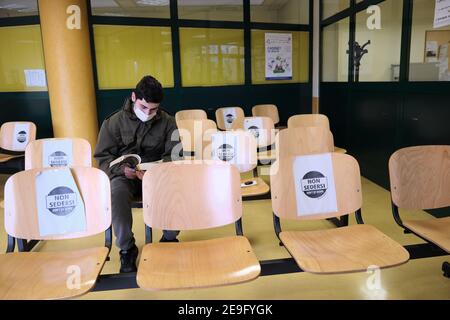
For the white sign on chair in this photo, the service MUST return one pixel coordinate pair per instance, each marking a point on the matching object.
(314, 184)
(60, 206)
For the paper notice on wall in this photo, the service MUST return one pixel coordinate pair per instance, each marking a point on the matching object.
(60, 206)
(225, 147)
(229, 116)
(35, 78)
(278, 56)
(431, 52)
(441, 14)
(57, 153)
(21, 136)
(255, 126)
(314, 185)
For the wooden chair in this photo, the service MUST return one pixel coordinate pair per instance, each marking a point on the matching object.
(267, 110)
(420, 179)
(13, 141)
(304, 141)
(309, 120)
(45, 275)
(346, 249)
(194, 114)
(179, 196)
(226, 121)
(246, 153)
(81, 152)
(312, 120)
(196, 136)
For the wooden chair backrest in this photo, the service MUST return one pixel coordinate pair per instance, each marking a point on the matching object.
(304, 141)
(267, 110)
(196, 135)
(347, 181)
(420, 177)
(7, 137)
(246, 153)
(81, 152)
(237, 123)
(193, 114)
(309, 120)
(180, 196)
(21, 212)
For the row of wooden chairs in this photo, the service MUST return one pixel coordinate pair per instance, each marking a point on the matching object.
(237, 113)
(228, 260)
(235, 117)
(178, 265)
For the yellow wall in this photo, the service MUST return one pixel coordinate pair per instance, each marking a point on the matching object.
(300, 57)
(212, 57)
(21, 50)
(127, 53)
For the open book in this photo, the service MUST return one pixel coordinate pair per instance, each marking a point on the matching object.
(135, 161)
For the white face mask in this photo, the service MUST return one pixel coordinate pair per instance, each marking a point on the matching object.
(142, 116)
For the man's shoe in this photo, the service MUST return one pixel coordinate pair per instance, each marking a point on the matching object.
(165, 240)
(128, 260)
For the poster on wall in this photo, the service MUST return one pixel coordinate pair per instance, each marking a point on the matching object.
(442, 14)
(278, 56)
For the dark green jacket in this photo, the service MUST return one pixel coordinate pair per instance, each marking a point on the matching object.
(123, 133)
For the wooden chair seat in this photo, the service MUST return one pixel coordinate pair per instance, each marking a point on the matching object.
(339, 150)
(45, 275)
(349, 249)
(207, 263)
(436, 231)
(7, 157)
(259, 189)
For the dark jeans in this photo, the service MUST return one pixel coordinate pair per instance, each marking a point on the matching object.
(123, 191)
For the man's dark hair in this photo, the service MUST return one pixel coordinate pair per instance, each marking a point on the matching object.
(149, 89)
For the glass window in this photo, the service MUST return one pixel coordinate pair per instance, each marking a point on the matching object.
(429, 45)
(384, 30)
(22, 66)
(18, 8)
(300, 57)
(335, 45)
(127, 53)
(280, 11)
(132, 8)
(212, 57)
(331, 7)
(223, 10)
